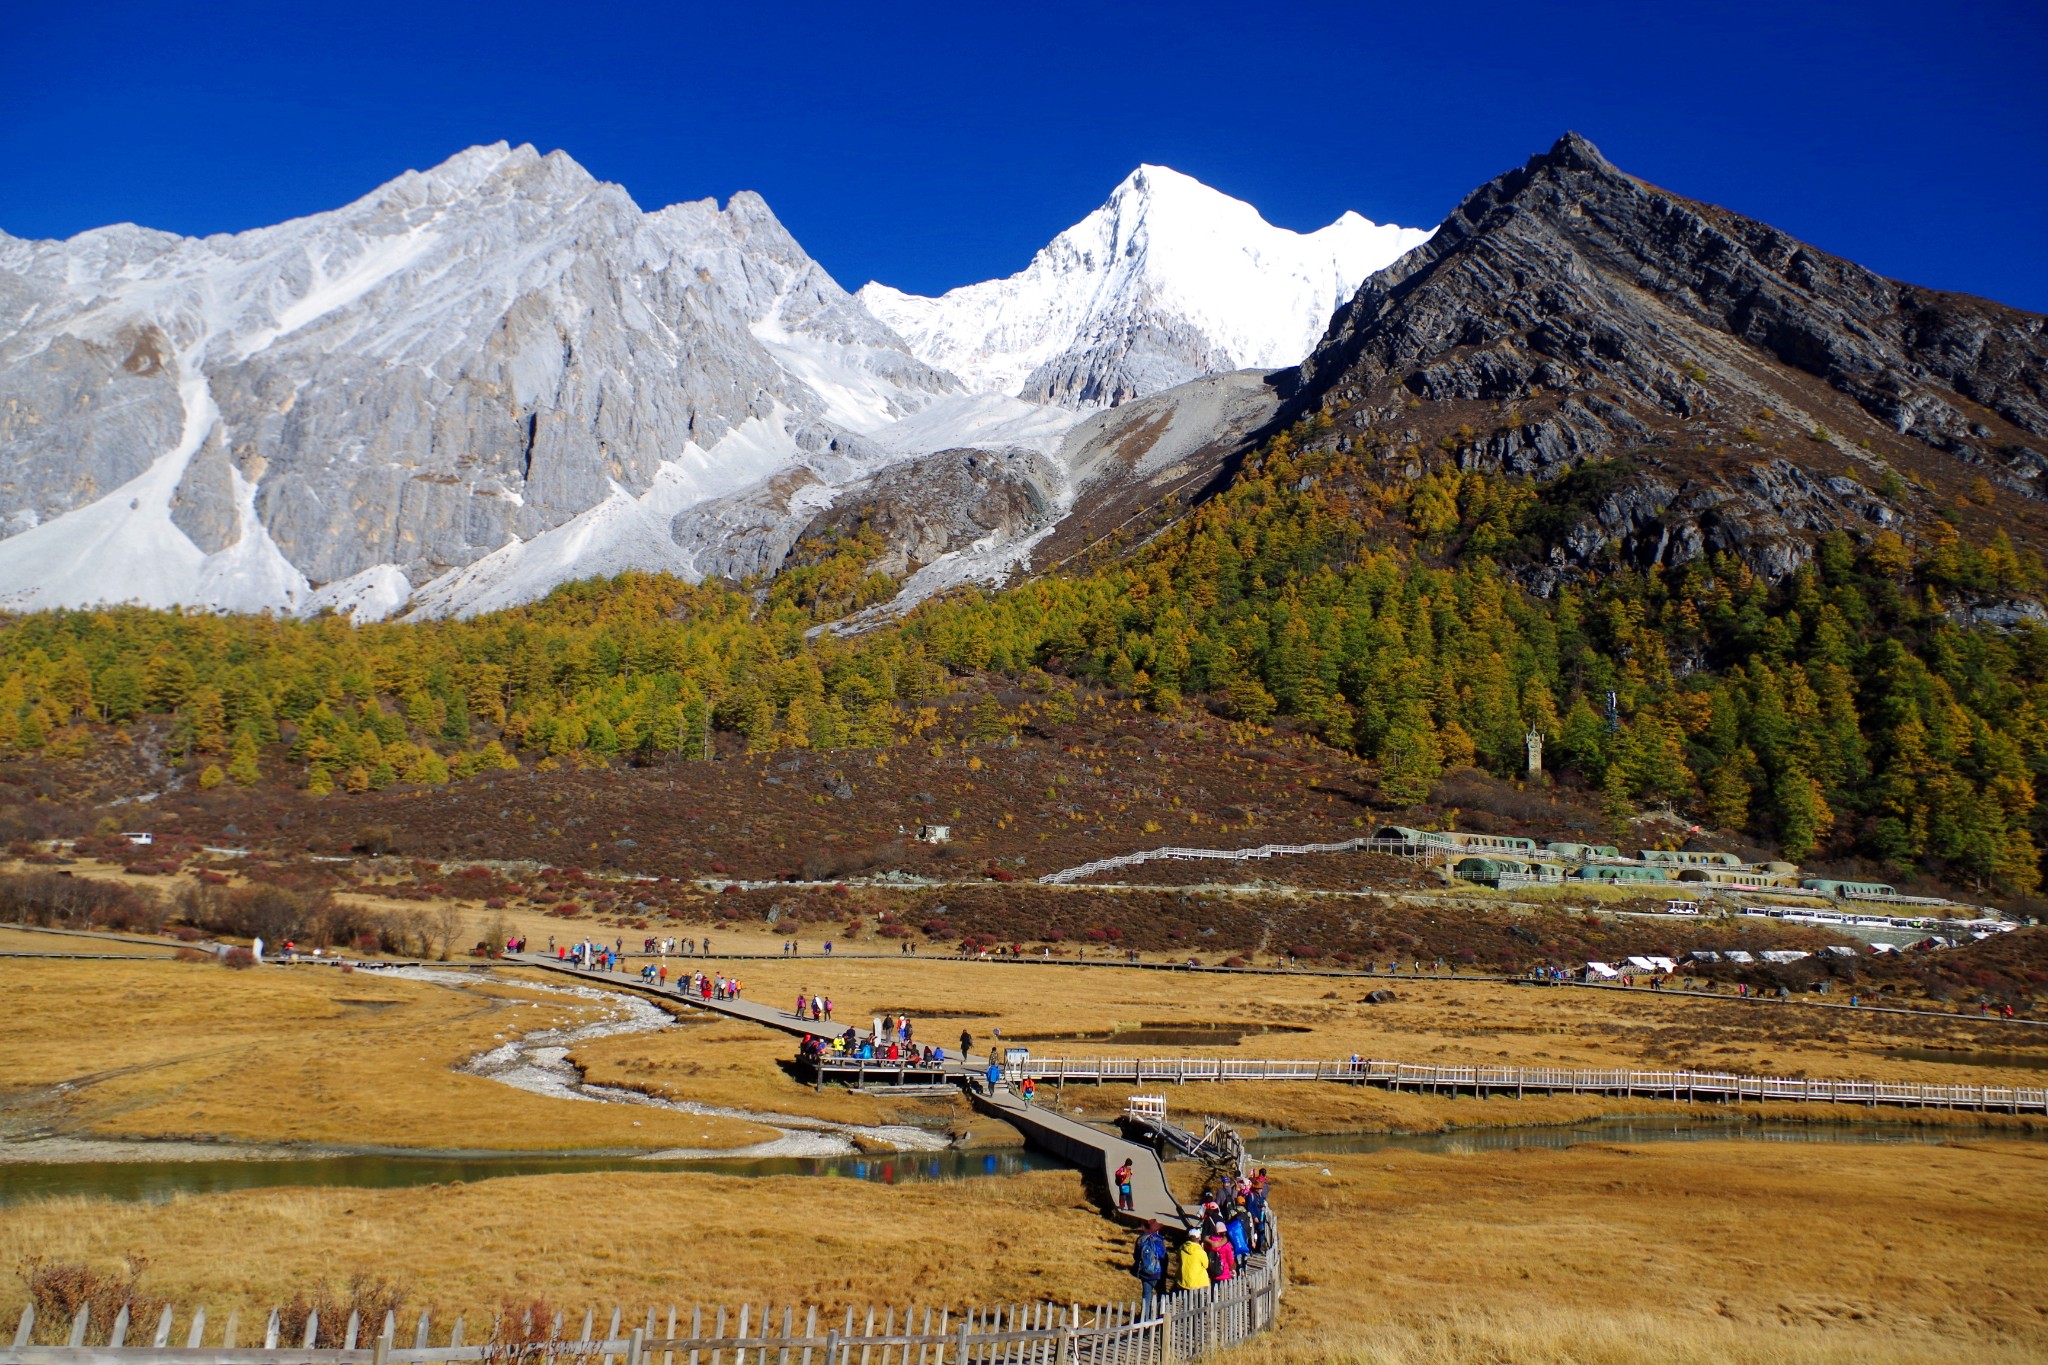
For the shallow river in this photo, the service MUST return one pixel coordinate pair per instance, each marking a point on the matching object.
(538, 1061)
(159, 1180)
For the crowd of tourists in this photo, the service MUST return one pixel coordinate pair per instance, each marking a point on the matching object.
(1236, 1223)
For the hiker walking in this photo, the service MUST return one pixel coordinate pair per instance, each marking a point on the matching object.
(966, 1042)
(1194, 1263)
(1148, 1263)
(1123, 1187)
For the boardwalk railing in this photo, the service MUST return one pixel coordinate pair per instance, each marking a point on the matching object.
(1182, 1326)
(1669, 1085)
(1074, 874)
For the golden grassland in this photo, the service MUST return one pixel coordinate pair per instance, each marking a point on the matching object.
(161, 1049)
(1688, 1252)
(314, 1055)
(1439, 1021)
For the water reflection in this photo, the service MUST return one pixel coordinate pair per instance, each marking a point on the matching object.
(154, 1181)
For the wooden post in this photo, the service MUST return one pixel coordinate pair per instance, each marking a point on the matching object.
(1166, 1336)
(227, 1333)
(163, 1330)
(455, 1336)
(382, 1350)
(198, 1330)
(312, 1329)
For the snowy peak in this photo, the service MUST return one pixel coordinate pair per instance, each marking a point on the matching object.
(1168, 281)
(467, 363)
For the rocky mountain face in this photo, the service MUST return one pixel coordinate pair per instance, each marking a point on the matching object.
(487, 379)
(1168, 281)
(465, 363)
(1763, 392)
(483, 380)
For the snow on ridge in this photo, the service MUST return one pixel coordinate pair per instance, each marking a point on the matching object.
(1165, 253)
(502, 367)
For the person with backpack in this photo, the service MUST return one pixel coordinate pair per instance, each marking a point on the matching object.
(1148, 1263)
(1194, 1263)
(1238, 1235)
(1222, 1260)
(1123, 1186)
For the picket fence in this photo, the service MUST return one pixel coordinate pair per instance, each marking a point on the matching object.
(1183, 1326)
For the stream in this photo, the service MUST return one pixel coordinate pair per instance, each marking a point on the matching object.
(538, 1062)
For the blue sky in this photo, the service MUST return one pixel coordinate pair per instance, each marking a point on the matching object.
(928, 145)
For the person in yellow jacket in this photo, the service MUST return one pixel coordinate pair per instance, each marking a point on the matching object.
(1194, 1264)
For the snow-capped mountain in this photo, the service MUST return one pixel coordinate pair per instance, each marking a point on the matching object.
(483, 380)
(1167, 281)
(499, 358)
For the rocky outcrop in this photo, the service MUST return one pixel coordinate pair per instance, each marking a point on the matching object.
(1568, 312)
(942, 503)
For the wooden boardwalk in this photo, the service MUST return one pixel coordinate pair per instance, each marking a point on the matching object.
(1097, 1153)
(1508, 1080)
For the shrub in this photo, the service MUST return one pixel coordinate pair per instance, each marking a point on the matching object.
(58, 1289)
(238, 958)
(366, 1298)
(55, 900)
(376, 840)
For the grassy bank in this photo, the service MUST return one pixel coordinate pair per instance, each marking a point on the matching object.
(1694, 1252)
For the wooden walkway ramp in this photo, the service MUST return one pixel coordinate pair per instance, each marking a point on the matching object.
(768, 1016)
(1097, 1152)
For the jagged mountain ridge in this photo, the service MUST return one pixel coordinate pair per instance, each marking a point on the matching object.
(1168, 281)
(357, 403)
(485, 379)
(1764, 391)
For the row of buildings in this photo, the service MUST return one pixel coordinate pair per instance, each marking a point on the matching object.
(1506, 860)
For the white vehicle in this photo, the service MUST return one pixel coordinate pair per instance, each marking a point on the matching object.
(1681, 907)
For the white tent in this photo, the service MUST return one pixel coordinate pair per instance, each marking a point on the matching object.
(1602, 970)
(1737, 955)
(1784, 955)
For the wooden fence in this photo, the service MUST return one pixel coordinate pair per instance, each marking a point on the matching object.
(1182, 1327)
(1513, 1080)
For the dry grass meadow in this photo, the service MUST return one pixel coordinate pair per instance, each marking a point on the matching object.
(1687, 1252)
(1693, 1252)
